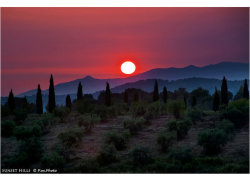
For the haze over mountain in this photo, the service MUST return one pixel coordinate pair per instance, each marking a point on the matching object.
(232, 71)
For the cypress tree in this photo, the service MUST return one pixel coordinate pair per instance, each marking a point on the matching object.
(245, 90)
(52, 100)
(185, 101)
(11, 101)
(165, 95)
(136, 97)
(224, 91)
(156, 92)
(216, 101)
(39, 100)
(126, 96)
(107, 95)
(68, 102)
(79, 91)
(194, 102)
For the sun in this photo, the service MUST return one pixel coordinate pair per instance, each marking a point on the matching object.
(128, 67)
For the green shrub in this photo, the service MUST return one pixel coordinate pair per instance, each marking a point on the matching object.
(20, 115)
(194, 114)
(138, 109)
(182, 154)
(153, 110)
(118, 139)
(166, 139)
(19, 160)
(226, 125)
(24, 132)
(107, 155)
(212, 140)
(7, 127)
(71, 137)
(89, 166)
(83, 106)
(62, 150)
(53, 161)
(105, 112)
(176, 108)
(141, 156)
(134, 125)
(61, 113)
(180, 126)
(88, 121)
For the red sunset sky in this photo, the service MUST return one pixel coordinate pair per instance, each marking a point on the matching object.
(74, 42)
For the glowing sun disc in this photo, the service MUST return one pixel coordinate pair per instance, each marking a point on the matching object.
(128, 67)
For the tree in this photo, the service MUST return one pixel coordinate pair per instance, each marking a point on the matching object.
(245, 90)
(107, 95)
(224, 91)
(216, 101)
(68, 102)
(79, 91)
(11, 101)
(156, 92)
(194, 101)
(136, 97)
(39, 100)
(52, 99)
(185, 101)
(165, 95)
(126, 96)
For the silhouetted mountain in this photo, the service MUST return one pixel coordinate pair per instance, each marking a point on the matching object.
(232, 71)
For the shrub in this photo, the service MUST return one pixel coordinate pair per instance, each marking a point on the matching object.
(105, 112)
(89, 166)
(212, 140)
(88, 121)
(184, 155)
(83, 106)
(7, 127)
(141, 156)
(62, 150)
(176, 108)
(107, 155)
(226, 125)
(138, 109)
(61, 113)
(153, 110)
(24, 132)
(180, 126)
(20, 115)
(134, 125)
(16, 161)
(71, 137)
(194, 114)
(53, 161)
(118, 139)
(166, 139)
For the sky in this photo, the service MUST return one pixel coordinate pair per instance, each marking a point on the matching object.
(71, 43)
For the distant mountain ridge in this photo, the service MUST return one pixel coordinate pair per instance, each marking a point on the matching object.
(232, 71)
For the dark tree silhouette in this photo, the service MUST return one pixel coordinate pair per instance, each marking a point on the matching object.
(68, 102)
(245, 90)
(125, 96)
(194, 102)
(165, 94)
(79, 91)
(216, 101)
(39, 100)
(185, 101)
(11, 101)
(52, 99)
(107, 95)
(224, 91)
(136, 97)
(156, 92)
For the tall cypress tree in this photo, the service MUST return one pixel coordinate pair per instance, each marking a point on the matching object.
(194, 101)
(68, 102)
(52, 100)
(165, 94)
(185, 101)
(79, 91)
(107, 95)
(125, 96)
(216, 101)
(136, 97)
(11, 101)
(224, 91)
(156, 92)
(39, 100)
(245, 90)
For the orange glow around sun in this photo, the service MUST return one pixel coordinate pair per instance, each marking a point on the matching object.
(128, 67)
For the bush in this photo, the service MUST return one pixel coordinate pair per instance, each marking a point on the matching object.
(105, 112)
(24, 132)
(83, 106)
(180, 126)
(141, 156)
(226, 125)
(71, 138)
(194, 114)
(61, 113)
(88, 121)
(107, 155)
(20, 115)
(16, 161)
(118, 139)
(184, 155)
(53, 161)
(176, 108)
(212, 140)
(166, 139)
(153, 110)
(7, 127)
(62, 150)
(134, 125)
(89, 166)
(138, 109)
